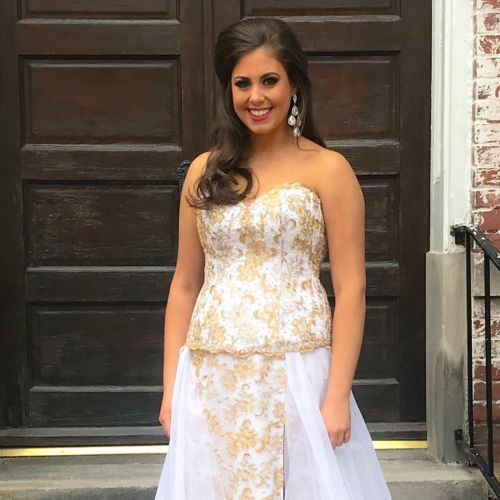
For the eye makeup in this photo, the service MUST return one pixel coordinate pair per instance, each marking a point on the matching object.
(272, 77)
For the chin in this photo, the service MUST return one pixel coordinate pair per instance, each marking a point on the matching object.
(261, 132)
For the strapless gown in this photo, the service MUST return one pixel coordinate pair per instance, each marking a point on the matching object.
(253, 372)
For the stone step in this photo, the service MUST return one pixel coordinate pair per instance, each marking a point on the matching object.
(416, 475)
(411, 475)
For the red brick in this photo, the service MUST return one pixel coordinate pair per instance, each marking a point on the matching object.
(488, 44)
(478, 327)
(491, 220)
(480, 372)
(480, 391)
(486, 156)
(486, 88)
(487, 177)
(479, 411)
(481, 433)
(486, 199)
(490, 21)
(487, 4)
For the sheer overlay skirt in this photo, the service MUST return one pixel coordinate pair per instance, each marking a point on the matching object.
(250, 428)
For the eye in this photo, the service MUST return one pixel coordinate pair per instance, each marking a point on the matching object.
(271, 79)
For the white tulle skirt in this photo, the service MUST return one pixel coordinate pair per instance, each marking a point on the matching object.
(250, 428)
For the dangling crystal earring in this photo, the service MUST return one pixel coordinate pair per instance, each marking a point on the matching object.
(292, 120)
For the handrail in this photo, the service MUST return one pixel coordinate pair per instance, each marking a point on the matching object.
(466, 235)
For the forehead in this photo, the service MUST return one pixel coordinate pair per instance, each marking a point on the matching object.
(256, 63)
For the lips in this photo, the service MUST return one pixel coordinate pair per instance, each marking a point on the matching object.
(262, 115)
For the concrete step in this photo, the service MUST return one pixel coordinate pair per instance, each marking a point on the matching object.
(411, 475)
(416, 475)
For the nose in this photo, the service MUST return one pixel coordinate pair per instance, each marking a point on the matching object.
(256, 97)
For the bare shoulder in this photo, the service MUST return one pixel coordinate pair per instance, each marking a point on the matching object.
(335, 176)
(327, 164)
(332, 164)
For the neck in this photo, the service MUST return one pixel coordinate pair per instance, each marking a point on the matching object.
(272, 143)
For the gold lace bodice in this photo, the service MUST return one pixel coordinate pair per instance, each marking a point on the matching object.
(262, 291)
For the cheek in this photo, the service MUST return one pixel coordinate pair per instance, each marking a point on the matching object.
(284, 101)
(280, 100)
(238, 100)
(240, 110)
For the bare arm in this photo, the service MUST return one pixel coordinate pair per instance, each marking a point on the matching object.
(184, 288)
(344, 211)
(178, 312)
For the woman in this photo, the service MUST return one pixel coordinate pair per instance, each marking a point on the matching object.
(257, 375)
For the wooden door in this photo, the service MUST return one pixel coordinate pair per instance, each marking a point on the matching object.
(100, 102)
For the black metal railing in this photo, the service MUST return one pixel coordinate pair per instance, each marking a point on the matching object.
(181, 173)
(467, 235)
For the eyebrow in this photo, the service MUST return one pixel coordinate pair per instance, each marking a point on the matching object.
(265, 75)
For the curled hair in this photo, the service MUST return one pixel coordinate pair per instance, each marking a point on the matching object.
(230, 138)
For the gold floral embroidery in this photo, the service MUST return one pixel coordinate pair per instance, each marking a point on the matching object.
(262, 292)
(246, 424)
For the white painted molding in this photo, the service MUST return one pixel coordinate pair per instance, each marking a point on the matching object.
(451, 120)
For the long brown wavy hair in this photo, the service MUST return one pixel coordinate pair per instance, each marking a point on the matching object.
(230, 138)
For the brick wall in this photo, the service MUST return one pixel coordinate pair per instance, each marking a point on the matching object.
(486, 199)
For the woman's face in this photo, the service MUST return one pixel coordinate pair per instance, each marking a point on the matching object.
(261, 91)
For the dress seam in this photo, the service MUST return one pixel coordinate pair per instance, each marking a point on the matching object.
(201, 347)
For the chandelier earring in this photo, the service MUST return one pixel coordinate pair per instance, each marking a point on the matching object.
(293, 121)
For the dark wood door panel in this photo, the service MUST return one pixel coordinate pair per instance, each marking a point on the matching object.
(129, 162)
(74, 37)
(93, 406)
(96, 344)
(101, 225)
(97, 284)
(320, 8)
(360, 93)
(95, 9)
(95, 101)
